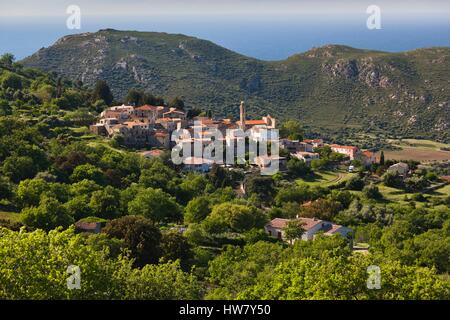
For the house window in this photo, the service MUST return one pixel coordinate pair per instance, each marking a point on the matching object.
(279, 235)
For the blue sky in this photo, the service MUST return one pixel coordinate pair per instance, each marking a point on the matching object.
(400, 8)
(266, 29)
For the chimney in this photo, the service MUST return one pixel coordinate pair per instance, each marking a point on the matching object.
(242, 116)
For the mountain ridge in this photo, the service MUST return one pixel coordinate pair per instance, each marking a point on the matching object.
(333, 86)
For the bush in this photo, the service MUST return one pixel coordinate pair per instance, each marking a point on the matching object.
(372, 192)
(355, 183)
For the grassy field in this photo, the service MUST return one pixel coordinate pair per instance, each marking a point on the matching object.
(11, 216)
(398, 195)
(104, 143)
(327, 178)
(419, 150)
(393, 194)
(442, 192)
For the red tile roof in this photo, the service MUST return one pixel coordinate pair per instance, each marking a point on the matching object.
(368, 154)
(147, 107)
(84, 225)
(343, 147)
(308, 223)
(313, 140)
(255, 122)
(152, 153)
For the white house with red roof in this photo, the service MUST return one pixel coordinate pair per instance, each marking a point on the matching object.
(312, 226)
(351, 151)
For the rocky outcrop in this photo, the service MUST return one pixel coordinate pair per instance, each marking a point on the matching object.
(364, 70)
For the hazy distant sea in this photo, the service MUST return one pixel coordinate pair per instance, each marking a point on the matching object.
(264, 38)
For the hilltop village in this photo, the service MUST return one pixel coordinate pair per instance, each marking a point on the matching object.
(151, 127)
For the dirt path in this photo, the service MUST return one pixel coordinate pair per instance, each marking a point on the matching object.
(337, 179)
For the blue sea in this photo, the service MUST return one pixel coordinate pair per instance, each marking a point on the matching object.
(262, 37)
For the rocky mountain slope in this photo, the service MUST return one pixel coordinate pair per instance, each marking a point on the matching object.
(405, 94)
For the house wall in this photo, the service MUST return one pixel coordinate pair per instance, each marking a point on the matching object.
(273, 232)
(309, 235)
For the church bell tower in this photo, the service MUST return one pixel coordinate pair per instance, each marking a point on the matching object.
(242, 116)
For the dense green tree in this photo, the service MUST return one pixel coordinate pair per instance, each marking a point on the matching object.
(343, 197)
(79, 207)
(139, 235)
(175, 246)
(294, 230)
(297, 168)
(355, 183)
(372, 192)
(5, 188)
(89, 172)
(48, 215)
(29, 191)
(324, 209)
(103, 92)
(7, 59)
(236, 269)
(18, 168)
(42, 273)
(156, 205)
(161, 282)
(393, 179)
(291, 129)
(262, 186)
(177, 103)
(345, 278)
(219, 177)
(295, 193)
(12, 81)
(156, 176)
(197, 210)
(134, 97)
(84, 187)
(382, 158)
(105, 203)
(234, 217)
(5, 108)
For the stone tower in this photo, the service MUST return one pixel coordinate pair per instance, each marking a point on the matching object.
(242, 116)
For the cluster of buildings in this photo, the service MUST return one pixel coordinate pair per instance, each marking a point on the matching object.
(140, 126)
(303, 150)
(152, 127)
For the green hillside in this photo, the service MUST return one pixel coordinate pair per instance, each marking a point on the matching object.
(334, 87)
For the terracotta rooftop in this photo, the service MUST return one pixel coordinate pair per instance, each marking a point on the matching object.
(343, 147)
(308, 223)
(147, 107)
(313, 140)
(152, 153)
(255, 122)
(368, 153)
(197, 161)
(87, 226)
